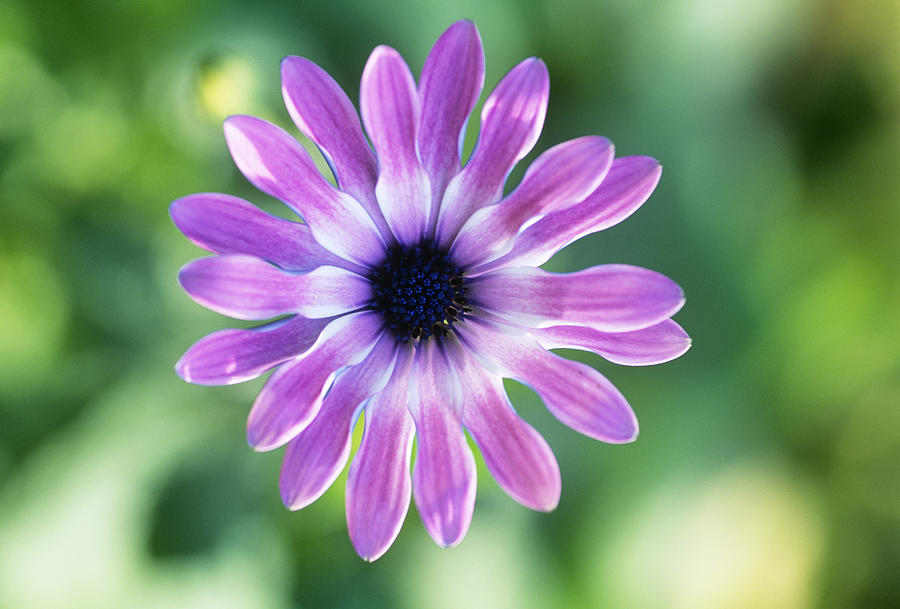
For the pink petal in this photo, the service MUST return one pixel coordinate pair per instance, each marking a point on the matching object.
(239, 286)
(324, 114)
(328, 291)
(628, 184)
(276, 164)
(450, 85)
(560, 177)
(228, 225)
(654, 345)
(444, 472)
(609, 297)
(234, 356)
(390, 111)
(379, 485)
(249, 288)
(575, 393)
(293, 394)
(511, 122)
(315, 458)
(517, 456)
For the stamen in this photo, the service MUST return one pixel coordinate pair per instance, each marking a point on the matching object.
(419, 291)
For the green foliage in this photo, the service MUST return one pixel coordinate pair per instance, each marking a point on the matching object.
(766, 474)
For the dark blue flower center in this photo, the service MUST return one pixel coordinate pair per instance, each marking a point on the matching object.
(419, 291)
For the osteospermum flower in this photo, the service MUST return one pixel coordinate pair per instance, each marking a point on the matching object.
(412, 288)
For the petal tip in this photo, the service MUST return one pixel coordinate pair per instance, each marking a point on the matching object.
(535, 64)
(383, 51)
(256, 440)
(545, 501)
(634, 429)
(290, 501)
(231, 120)
(631, 437)
(623, 438)
(685, 346)
(451, 538)
(183, 369)
(369, 554)
(465, 27)
(183, 213)
(549, 505)
(184, 274)
(237, 124)
(175, 208)
(288, 60)
(263, 441)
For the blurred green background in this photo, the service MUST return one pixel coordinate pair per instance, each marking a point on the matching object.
(767, 474)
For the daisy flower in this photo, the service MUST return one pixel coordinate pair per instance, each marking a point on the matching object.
(412, 287)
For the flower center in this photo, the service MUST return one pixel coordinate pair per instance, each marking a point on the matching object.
(419, 291)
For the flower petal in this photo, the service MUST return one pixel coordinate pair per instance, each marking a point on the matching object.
(239, 286)
(246, 287)
(228, 225)
(449, 87)
(444, 472)
(517, 456)
(315, 458)
(234, 356)
(626, 187)
(379, 485)
(390, 110)
(324, 114)
(293, 394)
(654, 345)
(276, 164)
(575, 393)
(560, 177)
(328, 291)
(511, 122)
(609, 297)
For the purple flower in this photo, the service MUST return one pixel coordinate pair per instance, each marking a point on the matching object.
(412, 288)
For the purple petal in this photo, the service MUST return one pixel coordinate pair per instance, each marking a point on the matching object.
(239, 286)
(444, 472)
(511, 122)
(560, 177)
(450, 85)
(609, 297)
(249, 288)
(328, 291)
(517, 456)
(324, 114)
(628, 184)
(276, 164)
(654, 345)
(293, 394)
(228, 225)
(379, 485)
(315, 458)
(390, 111)
(575, 393)
(234, 356)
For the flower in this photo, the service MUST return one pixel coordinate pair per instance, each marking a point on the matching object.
(412, 288)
